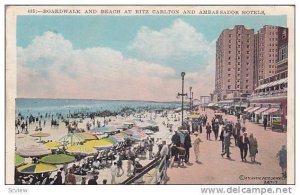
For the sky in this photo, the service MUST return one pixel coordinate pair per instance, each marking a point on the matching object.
(121, 57)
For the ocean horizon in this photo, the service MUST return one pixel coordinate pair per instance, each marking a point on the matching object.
(37, 106)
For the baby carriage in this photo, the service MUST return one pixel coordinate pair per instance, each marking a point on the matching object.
(181, 155)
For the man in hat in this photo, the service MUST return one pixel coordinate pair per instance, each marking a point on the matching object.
(187, 145)
(243, 145)
(226, 143)
(196, 145)
(176, 139)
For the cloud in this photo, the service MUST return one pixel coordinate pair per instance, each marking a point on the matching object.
(51, 68)
(180, 40)
(182, 47)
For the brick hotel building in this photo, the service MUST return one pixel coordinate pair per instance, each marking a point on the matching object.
(253, 65)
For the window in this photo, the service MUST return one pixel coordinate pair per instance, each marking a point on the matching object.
(238, 69)
(248, 52)
(247, 86)
(229, 63)
(229, 35)
(229, 86)
(229, 69)
(247, 75)
(248, 46)
(228, 80)
(229, 58)
(246, 81)
(229, 52)
(229, 75)
(229, 46)
(229, 41)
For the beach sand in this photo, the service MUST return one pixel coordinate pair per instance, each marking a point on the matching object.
(56, 132)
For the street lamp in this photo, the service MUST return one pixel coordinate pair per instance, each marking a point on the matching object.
(182, 94)
(190, 98)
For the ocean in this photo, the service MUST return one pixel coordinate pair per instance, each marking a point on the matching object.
(64, 106)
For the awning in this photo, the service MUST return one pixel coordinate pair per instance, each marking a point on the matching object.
(270, 111)
(259, 111)
(253, 109)
(249, 108)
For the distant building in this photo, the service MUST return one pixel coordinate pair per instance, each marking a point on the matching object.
(234, 62)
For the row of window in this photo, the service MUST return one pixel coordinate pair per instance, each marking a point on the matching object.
(238, 86)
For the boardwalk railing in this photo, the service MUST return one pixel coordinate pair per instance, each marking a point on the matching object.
(157, 163)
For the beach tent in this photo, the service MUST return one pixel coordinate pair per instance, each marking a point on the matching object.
(72, 138)
(53, 145)
(36, 168)
(19, 160)
(33, 151)
(81, 149)
(104, 129)
(40, 135)
(58, 159)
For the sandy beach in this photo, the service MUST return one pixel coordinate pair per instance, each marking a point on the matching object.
(56, 132)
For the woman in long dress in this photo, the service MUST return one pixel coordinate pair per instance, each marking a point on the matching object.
(252, 147)
(196, 145)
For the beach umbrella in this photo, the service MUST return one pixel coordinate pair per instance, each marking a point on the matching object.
(88, 136)
(81, 149)
(104, 129)
(53, 145)
(129, 131)
(119, 137)
(19, 160)
(57, 159)
(101, 143)
(72, 138)
(40, 135)
(33, 151)
(36, 168)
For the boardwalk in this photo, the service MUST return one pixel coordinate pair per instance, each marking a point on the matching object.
(213, 169)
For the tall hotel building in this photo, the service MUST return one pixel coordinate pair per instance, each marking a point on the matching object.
(234, 62)
(267, 42)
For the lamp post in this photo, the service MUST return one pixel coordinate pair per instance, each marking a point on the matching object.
(190, 98)
(182, 94)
